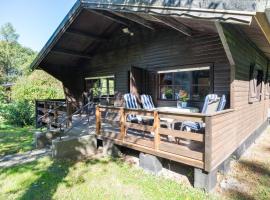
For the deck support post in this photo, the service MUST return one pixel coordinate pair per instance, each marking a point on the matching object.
(156, 131)
(205, 180)
(98, 120)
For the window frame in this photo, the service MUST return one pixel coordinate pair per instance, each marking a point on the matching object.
(183, 68)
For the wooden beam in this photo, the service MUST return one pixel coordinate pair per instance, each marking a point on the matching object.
(134, 18)
(108, 16)
(230, 59)
(71, 53)
(174, 24)
(86, 35)
(263, 23)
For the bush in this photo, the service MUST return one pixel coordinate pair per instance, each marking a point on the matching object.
(20, 113)
(38, 85)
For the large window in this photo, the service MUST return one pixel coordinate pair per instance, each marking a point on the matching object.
(194, 83)
(101, 86)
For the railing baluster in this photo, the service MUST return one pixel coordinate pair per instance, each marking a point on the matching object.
(156, 130)
(98, 120)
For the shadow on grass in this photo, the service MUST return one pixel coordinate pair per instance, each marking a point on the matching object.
(257, 168)
(240, 195)
(46, 185)
(259, 174)
(49, 179)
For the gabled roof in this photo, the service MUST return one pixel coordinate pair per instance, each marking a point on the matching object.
(90, 24)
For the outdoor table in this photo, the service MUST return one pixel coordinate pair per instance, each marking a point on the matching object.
(176, 110)
(179, 110)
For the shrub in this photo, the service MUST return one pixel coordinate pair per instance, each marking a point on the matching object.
(20, 113)
(38, 85)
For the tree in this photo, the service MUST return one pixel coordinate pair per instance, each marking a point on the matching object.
(8, 33)
(14, 58)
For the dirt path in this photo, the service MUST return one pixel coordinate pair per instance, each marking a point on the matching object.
(15, 159)
(249, 178)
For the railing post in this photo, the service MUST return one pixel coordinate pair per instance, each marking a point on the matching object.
(55, 113)
(37, 111)
(208, 143)
(98, 120)
(122, 124)
(156, 130)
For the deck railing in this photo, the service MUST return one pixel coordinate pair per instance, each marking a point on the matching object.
(49, 112)
(159, 133)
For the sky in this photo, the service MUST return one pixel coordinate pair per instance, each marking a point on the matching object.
(34, 20)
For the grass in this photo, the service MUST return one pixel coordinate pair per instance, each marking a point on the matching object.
(15, 139)
(251, 174)
(107, 178)
(93, 179)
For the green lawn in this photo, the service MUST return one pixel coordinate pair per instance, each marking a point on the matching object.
(93, 179)
(15, 139)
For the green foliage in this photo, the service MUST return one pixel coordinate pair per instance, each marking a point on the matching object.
(38, 85)
(15, 63)
(14, 58)
(19, 113)
(8, 33)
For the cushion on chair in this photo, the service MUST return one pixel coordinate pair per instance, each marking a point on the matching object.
(222, 103)
(131, 102)
(208, 99)
(196, 126)
(147, 102)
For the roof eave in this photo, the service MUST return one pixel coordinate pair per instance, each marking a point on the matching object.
(69, 18)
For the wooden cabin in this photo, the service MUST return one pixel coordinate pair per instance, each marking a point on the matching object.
(158, 48)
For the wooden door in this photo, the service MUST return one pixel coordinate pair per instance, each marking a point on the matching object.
(138, 81)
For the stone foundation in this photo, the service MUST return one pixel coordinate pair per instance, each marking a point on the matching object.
(43, 139)
(74, 147)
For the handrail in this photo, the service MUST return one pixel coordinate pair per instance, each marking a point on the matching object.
(76, 112)
(169, 112)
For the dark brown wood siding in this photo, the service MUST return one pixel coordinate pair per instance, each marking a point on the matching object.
(162, 50)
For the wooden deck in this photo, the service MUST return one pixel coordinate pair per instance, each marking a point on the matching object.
(155, 136)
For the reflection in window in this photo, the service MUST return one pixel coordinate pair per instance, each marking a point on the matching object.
(101, 87)
(193, 82)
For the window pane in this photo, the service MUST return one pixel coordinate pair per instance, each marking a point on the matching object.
(193, 85)
(111, 86)
(199, 92)
(101, 86)
(166, 92)
(182, 91)
(96, 85)
(166, 79)
(181, 78)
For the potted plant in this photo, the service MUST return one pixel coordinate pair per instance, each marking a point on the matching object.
(183, 98)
